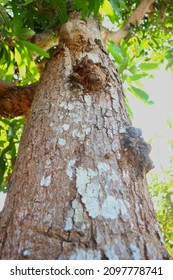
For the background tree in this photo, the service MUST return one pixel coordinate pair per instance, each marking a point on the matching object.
(143, 40)
(161, 189)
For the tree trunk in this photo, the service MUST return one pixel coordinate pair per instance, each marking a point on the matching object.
(78, 190)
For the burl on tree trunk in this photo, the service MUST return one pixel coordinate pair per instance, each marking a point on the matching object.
(78, 190)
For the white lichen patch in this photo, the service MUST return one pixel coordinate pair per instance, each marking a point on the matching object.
(80, 223)
(126, 176)
(26, 253)
(135, 252)
(88, 100)
(76, 217)
(63, 93)
(83, 177)
(48, 162)
(61, 142)
(112, 208)
(94, 57)
(81, 134)
(60, 116)
(86, 254)
(47, 218)
(65, 127)
(109, 208)
(70, 106)
(122, 130)
(67, 62)
(59, 129)
(87, 130)
(69, 220)
(102, 167)
(91, 200)
(113, 176)
(97, 201)
(45, 181)
(110, 252)
(63, 105)
(70, 168)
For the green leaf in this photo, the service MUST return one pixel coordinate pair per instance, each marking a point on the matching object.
(140, 94)
(146, 66)
(116, 52)
(116, 6)
(94, 6)
(26, 2)
(4, 55)
(129, 110)
(83, 6)
(33, 48)
(17, 20)
(137, 77)
(4, 17)
(61, 10)
(106, 8)
(25, 33)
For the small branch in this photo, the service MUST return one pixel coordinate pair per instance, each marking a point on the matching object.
(140, 12)
(134, 19)
(15, 101)
(164, 8)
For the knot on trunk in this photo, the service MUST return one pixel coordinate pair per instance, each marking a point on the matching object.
(137, 151)
(92, 76)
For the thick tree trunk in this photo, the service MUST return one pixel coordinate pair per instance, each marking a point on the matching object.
(78, 190)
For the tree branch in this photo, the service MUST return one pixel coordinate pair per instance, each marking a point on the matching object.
(134, 19)
(15, 101)
(165, 6)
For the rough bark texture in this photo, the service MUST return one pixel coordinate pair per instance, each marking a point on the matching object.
(78, 190)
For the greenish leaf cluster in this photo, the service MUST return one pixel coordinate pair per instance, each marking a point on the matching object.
(10, 133)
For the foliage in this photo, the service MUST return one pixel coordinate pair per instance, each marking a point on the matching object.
(147, 45)
(161, 190)
(132, 68)
(10, 133)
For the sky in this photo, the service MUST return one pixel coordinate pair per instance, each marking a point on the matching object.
(152, 118)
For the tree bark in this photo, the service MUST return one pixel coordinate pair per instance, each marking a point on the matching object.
(78, 190)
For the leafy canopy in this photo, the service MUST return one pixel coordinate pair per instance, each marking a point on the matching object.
(146, 45)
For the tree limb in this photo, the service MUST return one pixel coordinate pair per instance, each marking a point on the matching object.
(15, 101)
(165, 6)
(134, 19)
